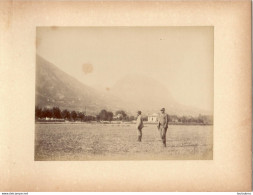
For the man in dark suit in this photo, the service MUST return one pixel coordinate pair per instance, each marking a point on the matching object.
(163, 120)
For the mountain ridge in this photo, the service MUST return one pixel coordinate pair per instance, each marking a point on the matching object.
(55, 87)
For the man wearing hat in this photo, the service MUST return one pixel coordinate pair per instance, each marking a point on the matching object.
(139, 125)
(162, 126)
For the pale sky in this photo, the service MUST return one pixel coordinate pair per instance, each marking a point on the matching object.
(179, 57)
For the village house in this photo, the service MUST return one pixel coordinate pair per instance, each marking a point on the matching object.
(153, 118)
(117, 117)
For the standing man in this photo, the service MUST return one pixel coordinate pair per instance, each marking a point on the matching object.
(139, 125)
(163, 120)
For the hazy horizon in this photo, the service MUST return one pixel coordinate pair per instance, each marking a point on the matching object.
(180, 58)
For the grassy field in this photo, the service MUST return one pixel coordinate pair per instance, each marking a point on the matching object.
(119, 142)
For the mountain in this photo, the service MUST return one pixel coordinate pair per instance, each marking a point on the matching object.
(143, 92)
(56, 88)
(149, 95)
(131, 93)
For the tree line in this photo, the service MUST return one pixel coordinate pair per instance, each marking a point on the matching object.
(57, 113)
(203, 119)
(104, 115)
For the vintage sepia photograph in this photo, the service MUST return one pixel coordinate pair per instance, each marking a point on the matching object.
(124, 93)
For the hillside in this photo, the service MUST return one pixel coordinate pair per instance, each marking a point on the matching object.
(149, 95)
(143, 92)
(56, 88)
(131, 93)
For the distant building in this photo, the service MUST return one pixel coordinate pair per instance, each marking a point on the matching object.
(153, 118)
(118, 116)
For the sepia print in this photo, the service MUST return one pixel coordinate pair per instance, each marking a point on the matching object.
(124, 93)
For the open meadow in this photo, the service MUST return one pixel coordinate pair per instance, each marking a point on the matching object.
(94, 141)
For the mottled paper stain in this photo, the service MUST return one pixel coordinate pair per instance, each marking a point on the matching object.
(7, 13)
(245, 122)
(54, 27)
(87, 68)
(37, 42)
